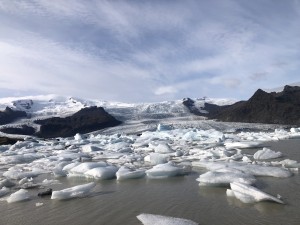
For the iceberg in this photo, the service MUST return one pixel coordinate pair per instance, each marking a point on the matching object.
(125, 173)
(151, 219)
(253, 169)
(266, 153)
(249, 194)
(18, 196)
(157, 158)
(225, 177)
(163, 171)
(86, 166)
(102, 173)
(4, 191)
(73, 192)
(244, 144)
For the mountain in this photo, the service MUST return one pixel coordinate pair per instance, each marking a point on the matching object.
(53, 116)
(85, 120)
(272, 108)
(9, 115)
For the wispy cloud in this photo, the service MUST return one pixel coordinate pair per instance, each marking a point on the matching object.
(148, 50)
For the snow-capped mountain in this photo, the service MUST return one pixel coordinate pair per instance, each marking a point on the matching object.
(45, 106)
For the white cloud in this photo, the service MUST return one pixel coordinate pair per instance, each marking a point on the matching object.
(165, 90)
(145, 50)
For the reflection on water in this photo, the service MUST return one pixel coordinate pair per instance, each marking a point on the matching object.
(114, 203)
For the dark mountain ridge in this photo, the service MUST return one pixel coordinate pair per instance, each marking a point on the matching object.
(272, 108)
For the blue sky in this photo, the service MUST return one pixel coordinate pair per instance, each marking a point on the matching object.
(145, 51)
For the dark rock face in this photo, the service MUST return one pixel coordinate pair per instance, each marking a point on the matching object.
(190, 104)
(263, 107)
(8, 141)
(84, 121)
(9, 115)
(23, 130)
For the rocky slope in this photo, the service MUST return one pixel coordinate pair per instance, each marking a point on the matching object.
(273, 108)
(8, 115)
(84, 121)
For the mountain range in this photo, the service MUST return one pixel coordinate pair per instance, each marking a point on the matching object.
(52, 116)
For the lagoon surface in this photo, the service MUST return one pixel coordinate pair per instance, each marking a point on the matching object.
(119, 202)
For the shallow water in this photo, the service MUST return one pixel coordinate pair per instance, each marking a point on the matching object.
(115, 203)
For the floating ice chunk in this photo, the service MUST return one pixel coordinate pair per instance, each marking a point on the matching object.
(70, 166)
(162, 127)
(266, 153)
(39, 204)
(78, 137)
(4, 191)
(255, 170)
(6, 183)
(157, 158)
(90, 148)
(163, 171)
(86, 166)
(17, 175)
(102, 173)
(163, 148)
(225, 177)
(294, 130)
(20, 195)
(244, 144)
(151, 219)
(73, 192)
(125, 173)
(249, 194)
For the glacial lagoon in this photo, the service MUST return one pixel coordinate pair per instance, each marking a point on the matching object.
(119, 202)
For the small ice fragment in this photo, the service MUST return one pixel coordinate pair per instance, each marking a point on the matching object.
(20, 195)
(266, 153)
(163, 171)
(73, 192)
(151, 219)
(102, 173)
(39, 204)
(249, 194)
(127, 173)
(4, 191)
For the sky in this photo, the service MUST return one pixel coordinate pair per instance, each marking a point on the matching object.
(148, 51)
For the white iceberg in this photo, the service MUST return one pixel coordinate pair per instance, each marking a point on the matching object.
(151, 219)
(18, 175)
(73, 192)
(156, 158)
(164, 171)
(4, 191)
(20, 195)
(125, 173)
(266, 153)
(243, 144)
(249, 194)
(225, 177)
(86, 166)
(163, 148)
(253, 169)
(102, 173)
(90, 148)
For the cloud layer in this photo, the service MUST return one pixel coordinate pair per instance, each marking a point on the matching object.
(137, 51)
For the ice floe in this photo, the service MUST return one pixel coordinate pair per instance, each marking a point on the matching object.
(223, 177)
(161, 153)
(125, 173)
(151, 219)
(164, 171)
(249, 194)
(18, 196)
(73, 192)
(266, 153)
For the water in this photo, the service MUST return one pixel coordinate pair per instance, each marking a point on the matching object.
(115, 203)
